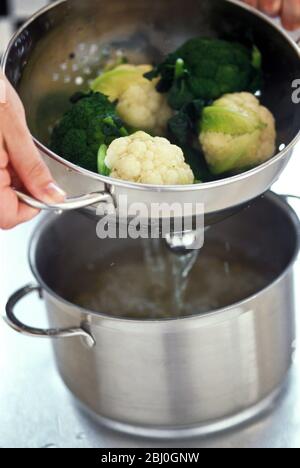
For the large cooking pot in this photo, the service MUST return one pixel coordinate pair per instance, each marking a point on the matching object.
(179, 376)
(59, 48)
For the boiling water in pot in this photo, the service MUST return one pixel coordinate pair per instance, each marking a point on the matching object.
(154, 282)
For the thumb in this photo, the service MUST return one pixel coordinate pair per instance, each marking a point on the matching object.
(30, 168)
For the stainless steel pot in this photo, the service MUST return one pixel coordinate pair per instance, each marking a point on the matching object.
(174, 377)
(61, 45)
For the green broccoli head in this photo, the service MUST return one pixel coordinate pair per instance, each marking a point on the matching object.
(90, 122)
(209, 69)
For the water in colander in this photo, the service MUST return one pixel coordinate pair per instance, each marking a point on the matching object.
(157, 283)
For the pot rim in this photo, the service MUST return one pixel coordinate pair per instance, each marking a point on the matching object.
(163, 188)
(279, 200)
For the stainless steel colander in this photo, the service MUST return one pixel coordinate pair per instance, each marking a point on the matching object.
(63, 46)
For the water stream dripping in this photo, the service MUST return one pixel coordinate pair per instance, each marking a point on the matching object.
(168, 266)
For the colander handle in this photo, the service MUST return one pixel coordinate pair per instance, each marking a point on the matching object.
(20, 327)
(70, 203)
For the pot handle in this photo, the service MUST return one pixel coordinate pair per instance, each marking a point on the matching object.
(20, 327)
(287, 196)
(70, 204)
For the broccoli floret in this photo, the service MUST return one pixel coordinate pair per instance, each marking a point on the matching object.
(206, 69)
(90, 122)
(180, 94)
(102, 168)
(185, 122)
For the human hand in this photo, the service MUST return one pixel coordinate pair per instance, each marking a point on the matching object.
(289, 10)
(21, 165)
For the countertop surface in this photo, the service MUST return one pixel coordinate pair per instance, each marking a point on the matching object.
(36, 410)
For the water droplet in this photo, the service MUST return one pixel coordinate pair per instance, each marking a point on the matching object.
(87, 71)
(282, 147)
(93, 49)
(227, 246)
(55, 76)
(79, 80)
(227, 268)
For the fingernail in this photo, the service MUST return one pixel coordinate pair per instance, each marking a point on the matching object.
(53, 193)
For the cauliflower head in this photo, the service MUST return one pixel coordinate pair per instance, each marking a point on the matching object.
(148, 160)
(237, 133)
(139, 103)
(142, 106)
(113, 83)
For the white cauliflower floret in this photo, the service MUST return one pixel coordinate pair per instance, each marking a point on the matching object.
(267, 141)
(148, 160)
(237, 133)
(139, 105)
(142, 106)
